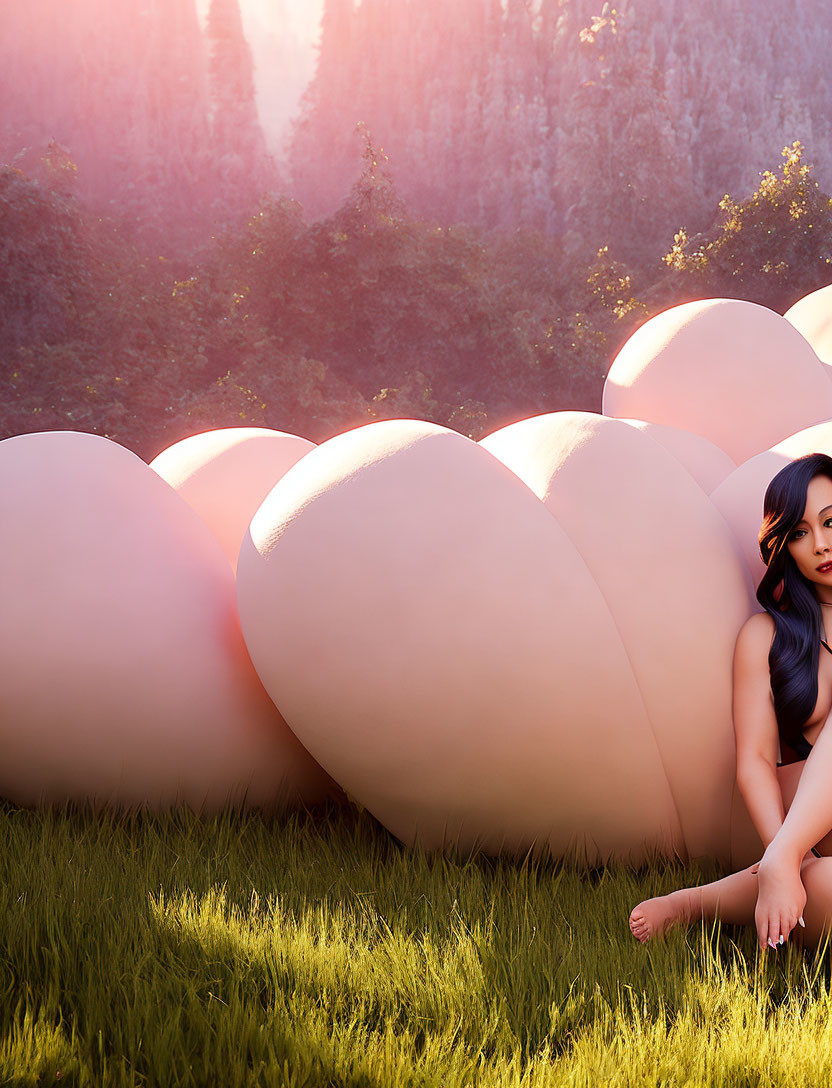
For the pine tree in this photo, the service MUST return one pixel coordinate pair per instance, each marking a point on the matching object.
(621, 165)
(122, 87)
(174, 103)
(325, 156)
(236, 129)
(492, 110)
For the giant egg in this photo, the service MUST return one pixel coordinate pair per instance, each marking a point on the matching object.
(812, 317)
(737, 373)
(225, 474)
(706, 462)
(124, 678)
(435, 635)
(666, 566)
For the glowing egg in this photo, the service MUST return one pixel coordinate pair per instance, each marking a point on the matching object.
(737, 373)
(433, 633)
(812, 317)
(225, 475)
(124, 679)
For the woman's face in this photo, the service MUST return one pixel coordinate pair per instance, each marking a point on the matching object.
(810, 541)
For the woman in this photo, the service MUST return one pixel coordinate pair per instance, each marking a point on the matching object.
(782, 691)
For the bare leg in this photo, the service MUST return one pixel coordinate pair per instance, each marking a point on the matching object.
(817, 880)
(734, 898)
(782, 896)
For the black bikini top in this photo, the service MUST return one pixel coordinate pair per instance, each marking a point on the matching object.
(802, 748)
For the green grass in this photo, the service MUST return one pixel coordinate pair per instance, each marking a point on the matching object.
(316, 950)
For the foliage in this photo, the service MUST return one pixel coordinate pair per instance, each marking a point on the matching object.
(368, 314)
(235, 125)
(46, 263)
(774, 246)
(615, 121)
(421, 320)
(626, 141)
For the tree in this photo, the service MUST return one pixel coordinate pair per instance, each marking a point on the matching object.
(323, 158)
(773, 247)
(236, 128)
(621, 163)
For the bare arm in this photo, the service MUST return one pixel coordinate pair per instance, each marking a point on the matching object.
(755, 727)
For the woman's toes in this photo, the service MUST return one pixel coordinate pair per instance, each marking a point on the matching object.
(654, 917)
(639, 925)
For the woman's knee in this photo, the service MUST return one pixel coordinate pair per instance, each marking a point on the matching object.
(816, 874)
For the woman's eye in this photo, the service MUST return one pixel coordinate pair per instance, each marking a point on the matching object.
(798, 533)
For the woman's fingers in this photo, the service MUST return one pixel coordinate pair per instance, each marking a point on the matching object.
(773, 929)
(781, 898)
(786, 926)
(763, 928)
(768, 929)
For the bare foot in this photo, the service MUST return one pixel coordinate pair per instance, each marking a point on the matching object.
(654, 917)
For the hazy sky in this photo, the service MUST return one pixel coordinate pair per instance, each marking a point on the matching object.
(304, 15)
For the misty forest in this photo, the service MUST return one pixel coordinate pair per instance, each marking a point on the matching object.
(473, 207)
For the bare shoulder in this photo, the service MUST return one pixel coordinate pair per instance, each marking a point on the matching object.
(755, 637)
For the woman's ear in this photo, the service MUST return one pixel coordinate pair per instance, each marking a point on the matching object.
(777, 592)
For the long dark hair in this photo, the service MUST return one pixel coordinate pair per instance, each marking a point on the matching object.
(789, 598)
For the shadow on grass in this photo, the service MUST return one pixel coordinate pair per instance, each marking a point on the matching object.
(315, 938)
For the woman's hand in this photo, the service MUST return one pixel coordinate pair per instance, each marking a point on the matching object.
(781, 897)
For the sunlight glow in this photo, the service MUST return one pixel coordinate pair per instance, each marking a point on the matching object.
(303, 16)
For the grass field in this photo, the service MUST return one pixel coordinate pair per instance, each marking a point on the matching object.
(315, 950)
